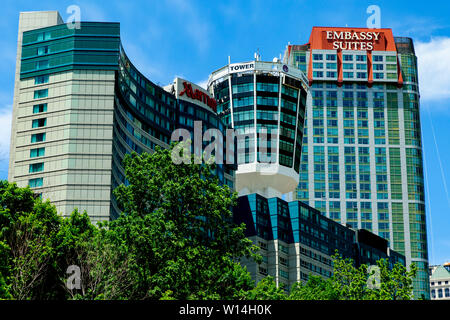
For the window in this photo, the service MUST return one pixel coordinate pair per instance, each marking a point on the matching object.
(347, 66)
(43, 36)
(332, 66)
(38, 123)
(317, 57)
(38, 137)
(301, 58)
(391, 59)
(268, 87)
(38, 108)
(245, 87)
(38, 152)
(361, 66)
(378, 58)
(377, 66)
(361, 75)
(348, 75)
(347, 57)
(43, 93)
(42, 64)
(360, 57)
(42, 50)
(378, 75)
(331, 57)
(36, 167)
(318, 65)
(318, 74)
(35, 183)
(41, 79)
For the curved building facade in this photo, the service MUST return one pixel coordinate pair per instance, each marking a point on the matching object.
(79, 106)
(264, 102)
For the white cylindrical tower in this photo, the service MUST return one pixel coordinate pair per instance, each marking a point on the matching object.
(264, 102)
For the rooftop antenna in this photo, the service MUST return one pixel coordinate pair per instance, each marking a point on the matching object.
(257, 56)
(229, 59)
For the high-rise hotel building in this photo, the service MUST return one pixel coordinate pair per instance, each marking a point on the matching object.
(80, 105)
(258, 97)
(361, 161)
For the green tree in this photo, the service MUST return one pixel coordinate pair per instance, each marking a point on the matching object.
(266, 289)
(395, 283)
(362, 283)
(28, 227)
(316, 288)
(349, 282)
(177, 231)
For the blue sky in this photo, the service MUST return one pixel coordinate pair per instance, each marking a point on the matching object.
(190, 39)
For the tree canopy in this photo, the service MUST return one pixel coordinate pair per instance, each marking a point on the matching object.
(175, 239)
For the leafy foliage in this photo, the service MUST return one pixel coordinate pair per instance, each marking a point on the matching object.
(316, 288)
(174, 240)
(177, 224)
(266, 289)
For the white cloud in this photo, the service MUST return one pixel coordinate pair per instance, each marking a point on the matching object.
(5, 132)
(203, 84)
(195, 23)
(434, 68)
(91, 12)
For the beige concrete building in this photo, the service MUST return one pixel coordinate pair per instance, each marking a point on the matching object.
(440, 282)
(62, 125)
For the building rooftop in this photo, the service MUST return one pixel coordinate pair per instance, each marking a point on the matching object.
(441, 272)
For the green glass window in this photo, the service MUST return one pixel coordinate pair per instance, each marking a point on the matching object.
(34, 183)
(38, 123)
(37, 152)
(268, 87)
(347, 66)
(391, 59)
(42, 50)
(43, 93)
(36, 167)
(38, 108)
(38, 137)
(347, 57)
(41, 79)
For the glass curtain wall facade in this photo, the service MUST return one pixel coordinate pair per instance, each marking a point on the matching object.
(263, 97)
(361, 161)
(79, 107)
(297, 241)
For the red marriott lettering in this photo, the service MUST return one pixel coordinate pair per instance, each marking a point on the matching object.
(198, 95)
